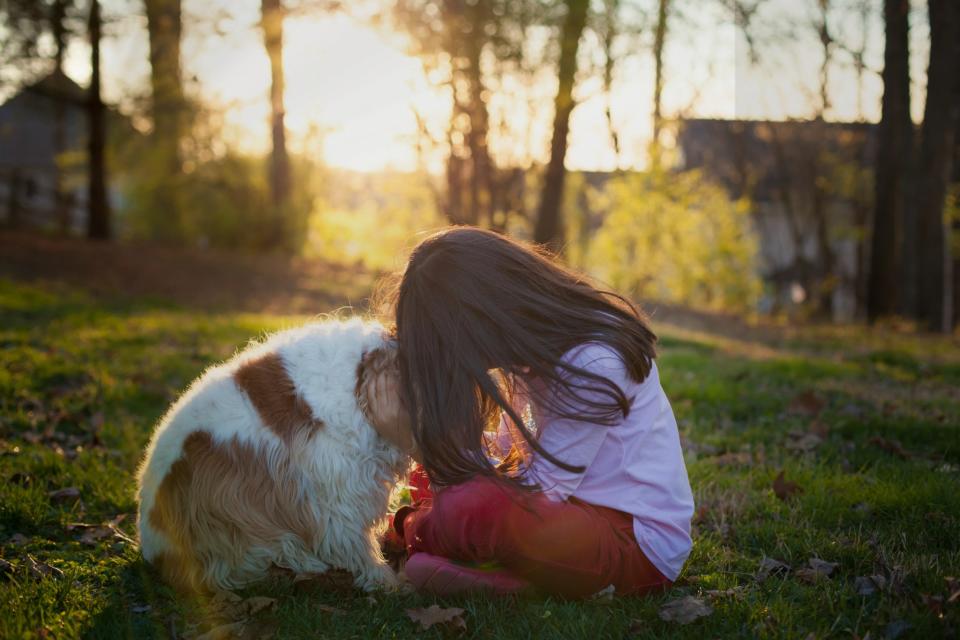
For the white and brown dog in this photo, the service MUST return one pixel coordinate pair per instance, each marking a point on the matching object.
(269, 459)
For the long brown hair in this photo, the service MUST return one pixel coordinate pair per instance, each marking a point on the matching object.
(472, 304)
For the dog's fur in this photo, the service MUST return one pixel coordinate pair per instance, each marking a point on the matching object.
(269, 459)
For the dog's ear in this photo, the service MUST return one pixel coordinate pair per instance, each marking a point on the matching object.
(372, 364)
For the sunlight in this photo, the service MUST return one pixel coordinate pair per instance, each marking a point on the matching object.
(345, 84)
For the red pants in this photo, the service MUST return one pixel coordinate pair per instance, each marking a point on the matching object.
(570, 548)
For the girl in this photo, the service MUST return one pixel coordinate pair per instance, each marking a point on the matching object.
(583, 484)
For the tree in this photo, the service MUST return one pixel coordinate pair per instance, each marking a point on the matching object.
(168, 109)
(549, 226)
(659, 42)
(892, 165)
(936, 148)
(271, 21)
(98, 218)
(455, 35)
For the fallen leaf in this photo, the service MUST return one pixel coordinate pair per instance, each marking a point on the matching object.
(254, 605)
(329, 609)
(684, 610)
(933, 603)
(233, 607)
(868, 585)
(891, 446)
(804, 443)
(434, 615)
(40, 570)
(785, 489)
(95, 534)
(62, 495)
(769, 567)
(806, 404)
(953, 588)
(816, 570)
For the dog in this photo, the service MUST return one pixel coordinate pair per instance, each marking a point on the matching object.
(269, 460)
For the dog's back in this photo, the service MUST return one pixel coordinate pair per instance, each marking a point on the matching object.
(268, 459)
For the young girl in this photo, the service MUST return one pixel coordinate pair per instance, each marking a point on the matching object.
(583, 484)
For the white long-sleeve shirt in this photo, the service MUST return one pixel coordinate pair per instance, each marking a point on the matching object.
(635, 466)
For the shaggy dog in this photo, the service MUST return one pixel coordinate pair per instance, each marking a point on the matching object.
(269, 459)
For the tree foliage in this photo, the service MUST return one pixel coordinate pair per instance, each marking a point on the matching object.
(675, 237)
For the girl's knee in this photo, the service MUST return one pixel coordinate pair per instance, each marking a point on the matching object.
(480, 497)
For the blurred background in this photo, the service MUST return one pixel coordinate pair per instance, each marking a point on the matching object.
(791, 159)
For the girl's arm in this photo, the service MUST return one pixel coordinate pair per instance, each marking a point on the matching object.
(578, 442)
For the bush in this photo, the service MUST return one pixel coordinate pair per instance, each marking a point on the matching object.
(674, 237)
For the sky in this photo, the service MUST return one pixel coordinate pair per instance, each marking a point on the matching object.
(352, 88)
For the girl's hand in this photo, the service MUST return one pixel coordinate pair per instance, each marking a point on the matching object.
(386, 411)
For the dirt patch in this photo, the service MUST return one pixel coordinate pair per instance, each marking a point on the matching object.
(204, 279)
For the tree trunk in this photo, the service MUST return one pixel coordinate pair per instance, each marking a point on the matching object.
(894, 147)
(549, 227)
(167, 109)
(610, 9)
(58, 14)
(98, 219)
(272, 15)
(936, 150)
(659, 39)
(481, 175)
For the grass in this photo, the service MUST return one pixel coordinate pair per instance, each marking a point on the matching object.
(83, 381)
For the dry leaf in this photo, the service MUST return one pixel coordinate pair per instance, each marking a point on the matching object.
(329, 609)
(953, 588)
(63, 495)
(684, 610)
(933, 603)
(254, 605)
(734, 459)
(40, 570)
(785, 489)
(868, 585)
(234, 607)
(769, 567)
(803, 442)
(891, 446)
(816, 570)
(434, 614)
(94, 535)
(806, 404)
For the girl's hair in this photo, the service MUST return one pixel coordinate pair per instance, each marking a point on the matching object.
(474, 307)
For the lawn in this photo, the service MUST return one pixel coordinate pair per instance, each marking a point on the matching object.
(864, 426)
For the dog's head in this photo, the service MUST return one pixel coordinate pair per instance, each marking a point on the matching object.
(378, 396)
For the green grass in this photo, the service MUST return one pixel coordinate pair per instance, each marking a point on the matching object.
(78, 372)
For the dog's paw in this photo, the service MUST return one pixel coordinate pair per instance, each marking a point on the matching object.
(380, 578)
